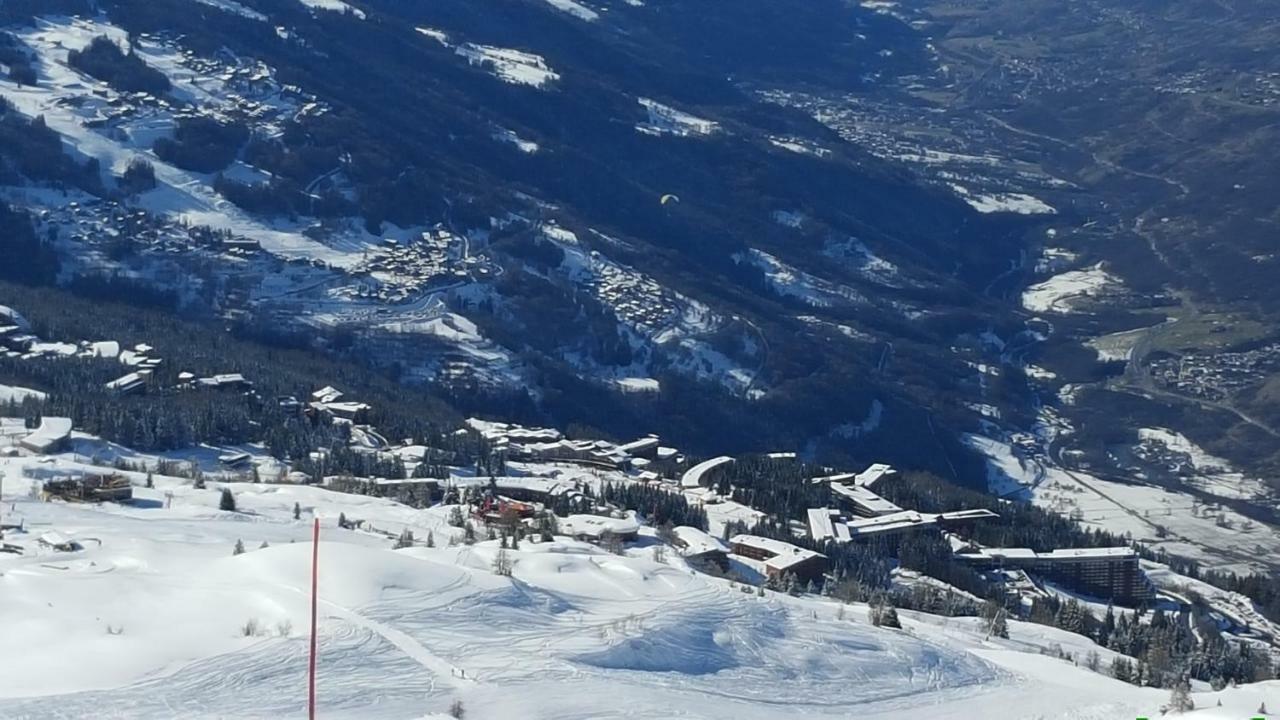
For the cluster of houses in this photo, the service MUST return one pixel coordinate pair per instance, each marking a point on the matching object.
(1218, 375)
(402, 270)
(637, 299)
(328, 401)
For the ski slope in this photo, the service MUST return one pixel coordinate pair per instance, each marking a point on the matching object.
(147, 621)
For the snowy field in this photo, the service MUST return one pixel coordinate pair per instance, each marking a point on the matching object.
(1018, 203)
(1207, 472)
(1177, 522)
(1116, 347)
(1057, 293)
(155, 618)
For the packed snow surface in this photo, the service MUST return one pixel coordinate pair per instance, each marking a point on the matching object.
(154, 617)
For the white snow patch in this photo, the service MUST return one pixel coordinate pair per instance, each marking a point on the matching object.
(439, 36)
(638, 384)
(1055, 294)
(510, 137)
(576, 9)
(512, 66)
(1019, 203)
(666, 120)
(16, 394)
(334, 6)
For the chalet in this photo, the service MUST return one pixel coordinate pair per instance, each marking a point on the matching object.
(89, 488)
(410, 491)
(235, 460)
(594, 528)
(698, 547)
(53, 436)
(55, 540)
(525, 489)
(780, 558)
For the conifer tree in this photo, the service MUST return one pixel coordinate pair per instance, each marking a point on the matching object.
(227, 502)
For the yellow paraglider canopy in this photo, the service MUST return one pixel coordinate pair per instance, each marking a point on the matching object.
(669, 198)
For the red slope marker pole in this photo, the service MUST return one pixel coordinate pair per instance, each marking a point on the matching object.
(311, 670)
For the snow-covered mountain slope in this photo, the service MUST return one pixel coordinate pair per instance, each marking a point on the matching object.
(156, 618)
(475, 196)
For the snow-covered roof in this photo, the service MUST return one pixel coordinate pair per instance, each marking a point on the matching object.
(864, 498)
(9, 316)
(785, 555)
(820, 525)
(840, 478)
(548, 486)
(105, 349)
(975, 514)
(223, 379)
(53, 538)
(1090, 553)
(641, 445)
(125, 382)
(1060, 555)
(894, 522)
(597, 525)
(693, 476)
(873, 474)
(51, 430)
(327, 394)
(495, 430)
(697, 542)
(346, 408)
